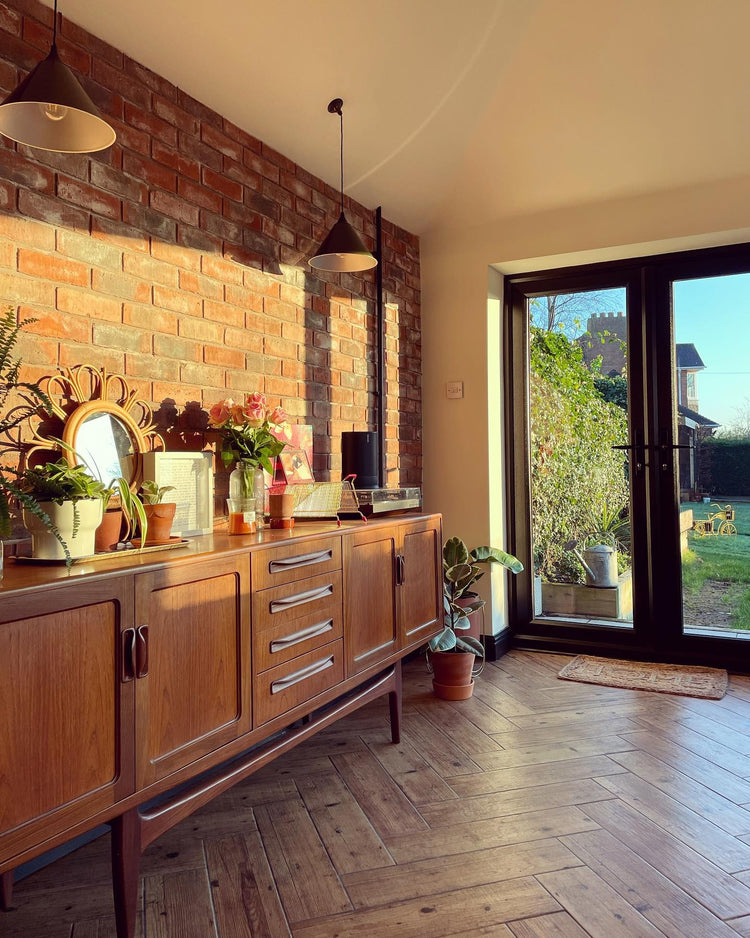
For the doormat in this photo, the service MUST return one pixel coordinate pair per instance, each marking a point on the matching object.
(640, 675)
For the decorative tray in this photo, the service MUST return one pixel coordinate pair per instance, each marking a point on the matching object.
(121, 550)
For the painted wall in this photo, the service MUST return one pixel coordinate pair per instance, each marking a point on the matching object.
(462, 336)
(178, 258)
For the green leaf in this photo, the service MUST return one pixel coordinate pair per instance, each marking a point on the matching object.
(455, 552)
(470, 644)
(445, 641)
(493, 555)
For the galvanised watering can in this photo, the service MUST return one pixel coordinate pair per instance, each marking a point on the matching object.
(600, 564)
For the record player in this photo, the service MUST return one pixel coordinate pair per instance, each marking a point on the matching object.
(388, 500)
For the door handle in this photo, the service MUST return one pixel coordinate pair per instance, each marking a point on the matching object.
(298, 599)
(312, 631)
(141, 651)
(128, 655)
(302, 560)
(301, 675)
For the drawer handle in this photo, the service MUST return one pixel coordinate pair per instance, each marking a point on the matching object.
(279, 644)
(302, 675)
(299, 599)
(302, 560)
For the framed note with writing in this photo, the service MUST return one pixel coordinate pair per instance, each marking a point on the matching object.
(192, 476)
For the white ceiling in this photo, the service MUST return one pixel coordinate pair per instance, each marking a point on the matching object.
(464, 112)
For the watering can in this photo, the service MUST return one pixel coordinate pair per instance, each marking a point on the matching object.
(600, 564)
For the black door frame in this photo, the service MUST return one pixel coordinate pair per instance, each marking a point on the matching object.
(657, 632)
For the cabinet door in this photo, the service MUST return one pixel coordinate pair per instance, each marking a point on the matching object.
(67, 709)
(421, 581)
(193, 686)
(370, 626)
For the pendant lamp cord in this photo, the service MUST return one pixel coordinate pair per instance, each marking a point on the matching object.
(341, 118)
(54, 26)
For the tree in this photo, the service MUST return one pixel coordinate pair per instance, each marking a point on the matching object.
(568, 312)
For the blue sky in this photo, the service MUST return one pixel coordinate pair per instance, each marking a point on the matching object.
(714, 314)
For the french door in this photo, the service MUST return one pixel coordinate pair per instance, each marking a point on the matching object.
(628, 422)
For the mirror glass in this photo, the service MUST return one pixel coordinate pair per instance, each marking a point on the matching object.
(106, 446)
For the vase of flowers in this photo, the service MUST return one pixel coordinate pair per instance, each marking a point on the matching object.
(247, 440)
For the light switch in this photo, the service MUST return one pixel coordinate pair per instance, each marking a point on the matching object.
(454, 389)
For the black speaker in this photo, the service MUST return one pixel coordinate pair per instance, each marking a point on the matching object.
(359, 456)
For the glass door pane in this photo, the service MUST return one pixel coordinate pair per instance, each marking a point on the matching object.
(711, 424)
(578, 444)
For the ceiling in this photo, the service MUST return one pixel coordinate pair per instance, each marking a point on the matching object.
(464, 113)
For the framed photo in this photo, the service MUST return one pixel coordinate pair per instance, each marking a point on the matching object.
(295, 466)
(192, 476)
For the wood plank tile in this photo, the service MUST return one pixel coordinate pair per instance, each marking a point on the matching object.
(725, 851)
(551, 736)
(347, 835)
(423, 878)
(556, 925)
(481, 715)
(562, 719)
(525, 776)
(516, 801)
(478, 835)
(724, 735)
(448, 914)
(243, 891)
(418, 780)
(741, 926)
(451, 722)
(532, 755)
(444, 755)
(178, 905)
(307, 882)
(659, 900)
(716, 889)
(715, 808)
(386, 806)
(489, 691)
(601, 911)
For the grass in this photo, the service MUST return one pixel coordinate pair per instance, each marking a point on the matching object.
(721, 558)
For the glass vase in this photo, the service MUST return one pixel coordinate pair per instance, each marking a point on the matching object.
(242, 495)
(259, 486)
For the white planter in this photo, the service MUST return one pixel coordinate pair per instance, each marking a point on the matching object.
(44, 544)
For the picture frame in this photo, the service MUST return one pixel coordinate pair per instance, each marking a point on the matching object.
(295, 466)
(192, 476)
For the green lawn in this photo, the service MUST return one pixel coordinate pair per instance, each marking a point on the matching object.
(721, 558)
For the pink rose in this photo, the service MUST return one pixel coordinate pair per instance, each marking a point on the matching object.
(254, 413)
(238, 414)
(278, 415)
(256, 399)
(220, 413)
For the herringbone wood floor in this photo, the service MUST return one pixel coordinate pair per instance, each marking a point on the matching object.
(537, 809)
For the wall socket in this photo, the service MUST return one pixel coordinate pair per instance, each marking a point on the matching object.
(454, 389)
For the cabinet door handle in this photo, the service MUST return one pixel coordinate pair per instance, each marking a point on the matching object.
(299, 599)
(279, 644)
(302, 675)
(302, 560)
(141, 651)
(399, 569)
(128, 655)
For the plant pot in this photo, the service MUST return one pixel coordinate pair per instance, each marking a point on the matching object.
(160, 518)
(108, 532)
(452, 678)
(87, 512)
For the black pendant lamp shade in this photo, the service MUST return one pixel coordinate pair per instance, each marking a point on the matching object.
(49, 110)
(342, 250)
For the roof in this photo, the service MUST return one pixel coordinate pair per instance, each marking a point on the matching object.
(687, 356)
(695, 416)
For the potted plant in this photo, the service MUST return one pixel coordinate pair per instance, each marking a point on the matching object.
(70, 504)
(159, 514)
(451, 654)
(122, 504)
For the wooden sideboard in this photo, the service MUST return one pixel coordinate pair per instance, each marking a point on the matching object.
(135, 689)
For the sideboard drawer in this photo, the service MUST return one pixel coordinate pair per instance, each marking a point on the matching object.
(285, 640)
(295, 561)
(285, 604)
(304, 677)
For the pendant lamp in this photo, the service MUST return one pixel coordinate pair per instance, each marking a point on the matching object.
(49, 110)
(342, 250)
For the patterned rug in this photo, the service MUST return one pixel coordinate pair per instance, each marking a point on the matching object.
(640, 675)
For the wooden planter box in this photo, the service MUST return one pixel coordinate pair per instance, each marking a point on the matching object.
(571, 599)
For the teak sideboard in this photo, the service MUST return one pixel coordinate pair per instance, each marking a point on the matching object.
(135, 689)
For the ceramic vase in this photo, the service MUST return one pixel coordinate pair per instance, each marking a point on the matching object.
(77, 523)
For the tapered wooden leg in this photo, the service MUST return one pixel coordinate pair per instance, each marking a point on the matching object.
(6, 890)
(126, 861)
(394, 700)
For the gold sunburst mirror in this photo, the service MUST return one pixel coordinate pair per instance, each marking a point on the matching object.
(106, 425)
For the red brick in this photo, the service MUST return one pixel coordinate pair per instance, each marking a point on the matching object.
(151, 368)
(173, 114)
(278, 158)
(151, 172)
(205, 375)
(146, 268)
(280, 348)
(174, 206)
(278, 232)
(97, 47)
(146, 77)
(175, 300)
(240, 296)
(202, 330)
(110, 104)
(9, 77)
(96, 200)
(117, 183)
(15, 168)
(262, 167)
(149, 220)
(262, 283)
(241, 338)
(38, 351)
(24, 231)
(10, 20)
(52, 267)
(129, 138)
(223, 313)
(221, 142)
(91, 251)
(199, 152)
(142, 120)
(241, 136)
(241, 174)
(112, 284)
(73, 55)
(276, 194)
(147, 317)
(241, 214)
(198, 240)
(36, 34)
(21, 53)
(8, 255)
(109, 335)
(220, 269)
(205, 287)
(228, 357)
(173, 347)
(118, 233)
(85, 303)
(219, 183)
(184, 165)
(111, 359)
(221, 227)
(174, 254)
(199, 195)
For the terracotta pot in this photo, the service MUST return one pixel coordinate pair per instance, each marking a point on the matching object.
(452, 674)
(108, 532)
(160, 518)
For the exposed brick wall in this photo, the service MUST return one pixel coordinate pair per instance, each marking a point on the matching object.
(178, 258)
